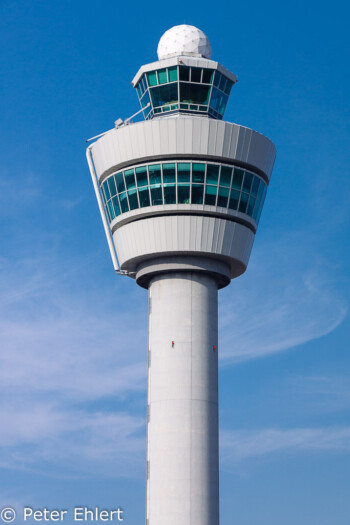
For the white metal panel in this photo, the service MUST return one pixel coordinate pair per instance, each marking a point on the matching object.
(182, 135)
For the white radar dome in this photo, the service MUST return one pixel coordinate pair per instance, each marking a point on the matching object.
(184, 40)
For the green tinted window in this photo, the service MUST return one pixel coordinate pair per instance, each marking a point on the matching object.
(212, 174)
(217, 78)
(234, 198)
(228, 86)
(123, 202)
(207, 76)
(116, 206)
(184, 73)
(183, 194)
(194, 93)
(198, 171)
(112, 187)
(144, 197)
(223, 197)
(141, 176)
(169, 173)
(162, 76)
(169, 194)
(196, 74)
(237, 179)
(164, 95)
(106, 190)
(218, 101)
(255, 186)
(183, 172)
(108, 213)
(248, 178)
(210, 195)
(156, 195)
(197, 193)
(251, 205)
(130, 179)
(225, 176)
(172, 72)
(111, 210)
(152, 78)
(222, 84)
(243, 203)
(154, 174)
(132, 194)
(120, 182)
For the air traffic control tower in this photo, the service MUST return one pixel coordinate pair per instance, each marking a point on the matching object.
(180, 196)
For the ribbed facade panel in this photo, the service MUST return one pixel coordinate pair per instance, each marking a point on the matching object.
(170, 235)
(182, 136)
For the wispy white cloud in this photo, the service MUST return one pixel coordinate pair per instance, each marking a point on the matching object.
(243, 444)
(58, 440)
(286, 300)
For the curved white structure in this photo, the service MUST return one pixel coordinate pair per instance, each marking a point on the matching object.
(181, 196)
(184, 40)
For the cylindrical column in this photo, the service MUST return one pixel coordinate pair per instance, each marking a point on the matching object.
(182, 444)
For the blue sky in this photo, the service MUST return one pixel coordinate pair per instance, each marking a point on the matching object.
(73, 336)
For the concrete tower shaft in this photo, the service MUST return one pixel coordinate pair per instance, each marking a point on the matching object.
(182, 445)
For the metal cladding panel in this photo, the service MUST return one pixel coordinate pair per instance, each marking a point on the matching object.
(152, 237)
(197, 136)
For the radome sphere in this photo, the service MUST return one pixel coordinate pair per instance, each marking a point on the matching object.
(184, 40)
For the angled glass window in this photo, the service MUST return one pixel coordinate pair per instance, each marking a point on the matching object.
(108, 213)
(183, 183)
(116, 206)
(156, 195)
(184, 73)
(217, 78)
(144, 197)
(141, 176)
(112, 188)
(123, 202)
(243, 203)
(198, 171)
(111, 210)
(228, 87)
(194, 93)
(169, 193)
(223, 196)
(172, 72)
(130, 179)
(234, 199)
(197, 194)
(183, 193)
(166, 94)
(106, 190)
(183, 172)
(237, 179)
(218, 101)
(212, 174)
(152, 78)
(162, 76)
(251, 205)
(225, 176)
(210, 195)
(169, 172)
(207, 76)
(155, 176)
(247, 183)
(196, 74)
(120, 182)
(255, 186)
(133, 201)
